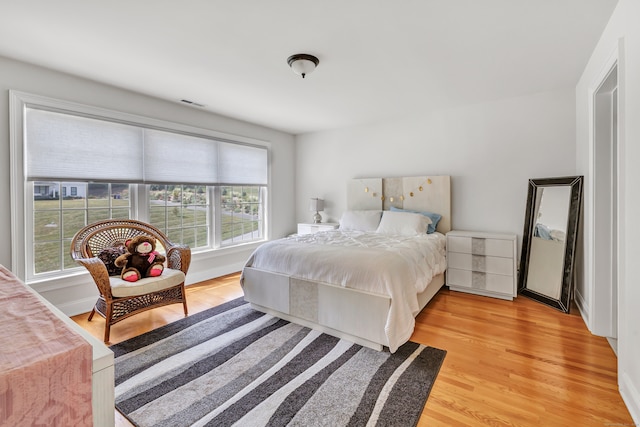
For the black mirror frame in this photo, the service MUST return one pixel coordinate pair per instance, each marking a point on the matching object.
(576, 182)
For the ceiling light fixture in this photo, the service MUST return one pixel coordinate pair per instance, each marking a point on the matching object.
(302, 63)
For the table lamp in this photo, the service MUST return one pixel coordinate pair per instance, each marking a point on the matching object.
(316, 205)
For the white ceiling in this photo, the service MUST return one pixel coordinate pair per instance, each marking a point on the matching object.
(379, 59)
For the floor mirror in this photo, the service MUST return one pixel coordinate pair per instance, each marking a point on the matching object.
(549, 240)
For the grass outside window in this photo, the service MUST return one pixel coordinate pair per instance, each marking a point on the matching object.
(182, 212)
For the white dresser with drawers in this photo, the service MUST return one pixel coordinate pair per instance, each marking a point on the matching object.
(482, 263)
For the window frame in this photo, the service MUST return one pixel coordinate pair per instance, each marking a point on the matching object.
(22, 190)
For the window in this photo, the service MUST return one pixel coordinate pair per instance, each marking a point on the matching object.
(242, 218)
(56, 219)
(181, 212)
(200, 188)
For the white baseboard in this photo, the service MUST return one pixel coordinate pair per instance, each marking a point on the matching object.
(630, 396)
(78, 306)
(583, 308)
(212, 272)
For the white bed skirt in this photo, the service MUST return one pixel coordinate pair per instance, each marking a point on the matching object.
(352, 314)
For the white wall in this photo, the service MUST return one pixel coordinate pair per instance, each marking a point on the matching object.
(490, 150)
(622, 30)
(78, 294)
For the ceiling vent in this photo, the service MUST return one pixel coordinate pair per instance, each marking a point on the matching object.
(194, 104)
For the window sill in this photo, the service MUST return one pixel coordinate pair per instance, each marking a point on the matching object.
(228, 250)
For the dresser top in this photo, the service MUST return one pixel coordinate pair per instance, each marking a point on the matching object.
(482, 234)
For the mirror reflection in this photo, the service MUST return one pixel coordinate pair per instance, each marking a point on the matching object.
(546, 255)
(549, 240)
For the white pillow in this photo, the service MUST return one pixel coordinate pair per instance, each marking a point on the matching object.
(403, 223)
(360, 220)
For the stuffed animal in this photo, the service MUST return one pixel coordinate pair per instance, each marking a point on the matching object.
(141, 259)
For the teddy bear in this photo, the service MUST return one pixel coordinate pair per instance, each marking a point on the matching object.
(141, 259)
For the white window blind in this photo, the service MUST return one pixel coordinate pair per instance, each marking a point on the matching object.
(172, 157)
(242, 164)
(66, 147)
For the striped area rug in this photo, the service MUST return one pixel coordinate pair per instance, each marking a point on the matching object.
(231, 365)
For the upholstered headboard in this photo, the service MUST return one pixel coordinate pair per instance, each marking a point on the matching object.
(419, 193)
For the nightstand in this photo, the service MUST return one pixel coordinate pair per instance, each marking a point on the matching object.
(482, 263)
(314, 228)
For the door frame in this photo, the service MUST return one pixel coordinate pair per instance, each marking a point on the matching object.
(602, 318)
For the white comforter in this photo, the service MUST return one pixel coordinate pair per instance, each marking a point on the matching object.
(398, 266)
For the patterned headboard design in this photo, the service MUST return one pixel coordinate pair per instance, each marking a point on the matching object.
(419, 193)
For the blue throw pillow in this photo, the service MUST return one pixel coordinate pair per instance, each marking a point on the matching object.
(435, 218)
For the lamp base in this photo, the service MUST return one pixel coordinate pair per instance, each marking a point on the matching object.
(317, 218)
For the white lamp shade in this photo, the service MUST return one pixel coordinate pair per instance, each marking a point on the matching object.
(316, 205)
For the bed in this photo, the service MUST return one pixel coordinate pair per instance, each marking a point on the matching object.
(357, 284)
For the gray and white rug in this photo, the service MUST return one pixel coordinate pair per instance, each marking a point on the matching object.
(231, 365)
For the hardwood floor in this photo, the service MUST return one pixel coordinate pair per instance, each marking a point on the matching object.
(508, 363)
(517, 363)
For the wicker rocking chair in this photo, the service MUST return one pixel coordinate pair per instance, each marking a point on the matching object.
(120, 299)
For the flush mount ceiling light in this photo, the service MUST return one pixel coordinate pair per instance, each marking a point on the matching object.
(302, 64)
